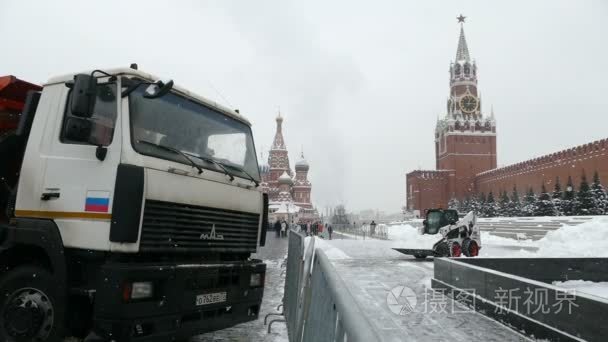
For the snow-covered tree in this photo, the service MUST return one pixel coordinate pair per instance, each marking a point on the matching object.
(465, 206)
(454, 204)
(504, 205)
(601, 199)
(529, 205)
(556, 196)
(490, 209)
(481, 205)
(515, 204)
(544, 204)
(585, 200)
(569, 200)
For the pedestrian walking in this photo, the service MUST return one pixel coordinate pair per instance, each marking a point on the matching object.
(283, 228)
(329, 230)
(372, 228)
(308, 227)
(277, 227)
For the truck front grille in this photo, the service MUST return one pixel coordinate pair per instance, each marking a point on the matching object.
(174, 227)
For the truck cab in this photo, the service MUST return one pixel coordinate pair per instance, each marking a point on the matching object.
(131, 209)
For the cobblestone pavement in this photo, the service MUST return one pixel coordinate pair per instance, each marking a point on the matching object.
(273, 254)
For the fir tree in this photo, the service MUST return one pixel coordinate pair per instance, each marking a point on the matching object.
(466, 205)
(544, 204)
(491, 209)
(600, 196)
(529, 206)
(557, 197)
(568, 201)
(515, 204)
(585, 201)
(504, 205)
(454, 204)
(482, 205)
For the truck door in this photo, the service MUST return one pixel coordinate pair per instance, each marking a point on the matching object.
(78, 186)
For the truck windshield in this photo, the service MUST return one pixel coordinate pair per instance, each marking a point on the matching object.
(179, 123)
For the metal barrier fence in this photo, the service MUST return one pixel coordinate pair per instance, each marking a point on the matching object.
(334, 315)
(317, 306)
(366, 231)
(295, 255)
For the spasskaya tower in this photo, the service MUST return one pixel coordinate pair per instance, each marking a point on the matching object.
(465, 139)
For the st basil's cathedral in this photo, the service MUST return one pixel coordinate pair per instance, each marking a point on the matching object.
(288, 192)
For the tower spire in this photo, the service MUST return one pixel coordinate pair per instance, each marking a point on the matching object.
(462, 53)
(279, 142)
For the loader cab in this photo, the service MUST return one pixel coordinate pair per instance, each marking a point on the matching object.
(437, 218)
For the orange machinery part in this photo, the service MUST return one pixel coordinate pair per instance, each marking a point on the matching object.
(13, 92)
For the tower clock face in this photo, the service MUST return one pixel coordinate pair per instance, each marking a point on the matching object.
(468, 104)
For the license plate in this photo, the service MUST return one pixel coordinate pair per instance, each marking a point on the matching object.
(210, 298)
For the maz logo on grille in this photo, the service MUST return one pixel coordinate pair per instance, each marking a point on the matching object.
(212, 235)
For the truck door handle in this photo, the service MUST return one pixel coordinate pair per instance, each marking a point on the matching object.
(46, 196)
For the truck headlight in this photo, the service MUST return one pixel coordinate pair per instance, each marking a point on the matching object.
(142, 290)
(256, 280)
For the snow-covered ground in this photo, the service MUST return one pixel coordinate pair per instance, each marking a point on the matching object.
(372, 269)
(599, 289)
(589, 239)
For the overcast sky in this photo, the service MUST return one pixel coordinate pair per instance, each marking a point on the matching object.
(360, 83)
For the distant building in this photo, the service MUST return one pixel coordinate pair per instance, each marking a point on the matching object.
(465, 151)
(288, 192)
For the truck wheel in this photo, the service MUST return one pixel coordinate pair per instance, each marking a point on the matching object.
(442, 249)
(456, 249)
(465, 247)
(470, 248)
(29, 308)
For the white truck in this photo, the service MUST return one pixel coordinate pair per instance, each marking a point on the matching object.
(129, 210)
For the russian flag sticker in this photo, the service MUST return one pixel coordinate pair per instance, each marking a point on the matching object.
(97, 201)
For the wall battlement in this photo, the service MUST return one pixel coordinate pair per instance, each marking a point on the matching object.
(576, 152)
(572, 162)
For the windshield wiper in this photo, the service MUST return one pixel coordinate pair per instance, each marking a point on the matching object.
(243, 171)
(213, 161)
(174, 150)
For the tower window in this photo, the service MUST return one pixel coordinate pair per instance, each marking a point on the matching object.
(467, 69)
(457, 69)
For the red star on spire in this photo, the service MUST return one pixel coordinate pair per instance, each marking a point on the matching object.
(461, 18)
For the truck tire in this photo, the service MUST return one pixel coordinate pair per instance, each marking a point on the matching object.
(29, 307)
(465, 247)
(470, 248)
(442, 249)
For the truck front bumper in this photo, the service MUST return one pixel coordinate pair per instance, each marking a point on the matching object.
(173, 311)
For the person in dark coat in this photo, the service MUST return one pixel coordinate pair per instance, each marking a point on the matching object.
(329, 230)
(277, 227)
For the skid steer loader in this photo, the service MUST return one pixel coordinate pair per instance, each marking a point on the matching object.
(458, 235)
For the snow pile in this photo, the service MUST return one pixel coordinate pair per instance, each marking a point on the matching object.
(409, 237)
(599, 289)
(495, 240)
(589, 239)
(332, 252)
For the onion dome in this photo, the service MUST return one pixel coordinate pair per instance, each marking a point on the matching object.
(285, 179)
(302, 164)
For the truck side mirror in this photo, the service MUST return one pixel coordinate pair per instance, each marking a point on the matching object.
(78, 129)
(158, 89)
(84, 94)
